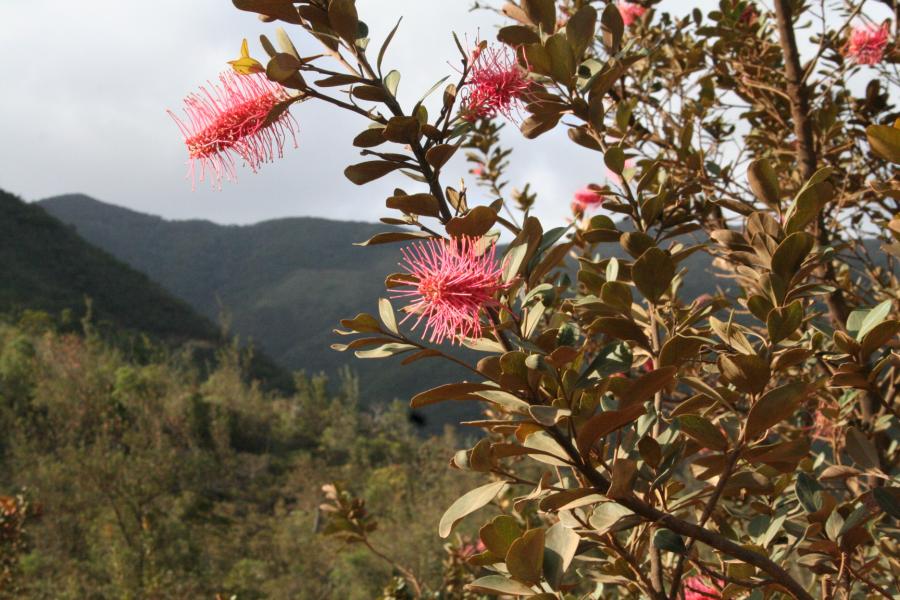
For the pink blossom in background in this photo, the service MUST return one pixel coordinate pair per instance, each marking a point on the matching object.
(586, 198)
(695, 588)
(630, 12)
(229, 120)
(867, 44)
(614, 177)
(495, 85)
(477, 170)
(452, 282)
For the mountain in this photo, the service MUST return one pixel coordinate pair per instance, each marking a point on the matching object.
(48, 267)
(285, 284)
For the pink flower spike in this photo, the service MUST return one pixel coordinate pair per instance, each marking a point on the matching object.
(496, 84)
(630, 12)
(451, 282)
(230, 120)
(695, 588)
(586, 198)
(867, 44)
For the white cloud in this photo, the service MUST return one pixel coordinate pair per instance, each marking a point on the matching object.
(87, 85)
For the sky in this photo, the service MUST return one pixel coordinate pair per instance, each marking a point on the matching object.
(87, 85)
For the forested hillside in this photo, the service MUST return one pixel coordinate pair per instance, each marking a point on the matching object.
(47, 266)
(124, 479)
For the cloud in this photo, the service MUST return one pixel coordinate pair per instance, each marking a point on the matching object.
(87, 89)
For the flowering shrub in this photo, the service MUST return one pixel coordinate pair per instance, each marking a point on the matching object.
(639, 442)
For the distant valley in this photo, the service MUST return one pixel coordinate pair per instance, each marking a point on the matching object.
(284, 284)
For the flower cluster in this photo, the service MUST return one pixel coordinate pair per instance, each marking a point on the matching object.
(696, 588)
(495, 85)
(231, 120)
(585, 199)
(630, 12)
(867, 44)
(451, 281)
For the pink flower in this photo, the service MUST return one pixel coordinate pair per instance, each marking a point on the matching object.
(230, 120)
(496, 84)
(477, 170)
(695, 588)
(452, 280)
(630, 12)
(867, 44)
(586, 198)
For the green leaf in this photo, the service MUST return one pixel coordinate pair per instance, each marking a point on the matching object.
(782, 321)
(885, 141)
(764, 182)
(560, 547)
(652, 273)
(612, 358)
(551, 452)
(448, 391)
(500, 533)
(513, 260)
(808, 203)
(282, 67)
(386, 312)
(775, 406)
(384, 46)
(613, 27)
(393, 236)
(873, 318)
(790, 254)
(392, 81)
(343, 19)
(615, 160)
(385, 350)
(498, 584)
(402, 130)
(467, 504)
(541, 12)
(475, 223)
(415, 204)
(809, 493)
(747, 372)
(669, 541)
(703, 432)
(878, 336)
(889, 500)
(861, 449)
(518, 35)
(562, 61)
(525, 558)
(364, 172)
(605, 423)
(437, 156)
(580, 29)
(611, 516)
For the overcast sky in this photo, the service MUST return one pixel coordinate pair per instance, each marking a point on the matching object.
(86, 85)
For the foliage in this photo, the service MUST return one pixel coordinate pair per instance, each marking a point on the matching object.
(48, 268)
(149, 480)
(745, 442)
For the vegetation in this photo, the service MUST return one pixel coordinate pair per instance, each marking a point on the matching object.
(739, 445)
(148, 480)
(47, 267)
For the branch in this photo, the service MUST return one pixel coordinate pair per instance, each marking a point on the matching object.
(806, 152)
(710, 538)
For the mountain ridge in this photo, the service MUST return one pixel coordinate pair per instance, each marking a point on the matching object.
(283, 283)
